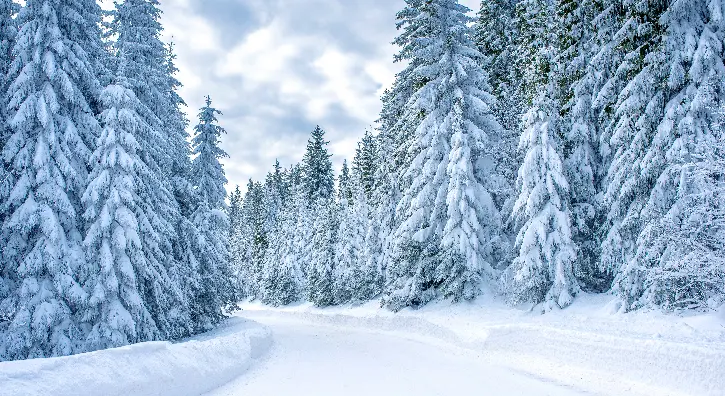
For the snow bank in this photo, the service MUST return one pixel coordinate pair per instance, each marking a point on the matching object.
(191, 367)
(588, 347)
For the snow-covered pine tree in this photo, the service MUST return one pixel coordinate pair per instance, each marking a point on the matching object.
(395, 100)
(321, 266)
(253, 241)
(379, 236)
(135, 24)
(673, 263)
(636, 101)
(116, 313)
(348, 247)
(318, 220)
(357, 279)
(317, 172)
(579, 127)
(344, 185)
(216, 290)
(496, 36)
(534, 23)
(543, 270)
(448, 215)
(365, 164)
(272, 200)
(8, 32)
(53, 130)
(281, 278)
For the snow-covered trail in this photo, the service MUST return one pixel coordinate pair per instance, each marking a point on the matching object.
(319, 360)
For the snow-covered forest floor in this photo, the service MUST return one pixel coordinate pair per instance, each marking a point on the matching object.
(588, 348)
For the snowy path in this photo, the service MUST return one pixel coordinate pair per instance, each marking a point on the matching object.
(319, 360)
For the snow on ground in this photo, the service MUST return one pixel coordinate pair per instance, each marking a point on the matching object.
(329, 360)
(483, 347)
(589, 346)
(191, 367)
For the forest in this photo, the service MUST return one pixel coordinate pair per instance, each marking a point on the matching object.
(532, 150)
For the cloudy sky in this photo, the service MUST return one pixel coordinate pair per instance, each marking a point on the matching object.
(277, 68)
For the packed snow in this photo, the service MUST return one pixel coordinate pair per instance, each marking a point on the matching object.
(589, 347)
(324, 359)
(441, 349)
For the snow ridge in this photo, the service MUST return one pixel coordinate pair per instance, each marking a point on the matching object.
(191, 367)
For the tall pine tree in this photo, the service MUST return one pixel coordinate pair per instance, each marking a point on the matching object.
(53, 131)
(448, 214)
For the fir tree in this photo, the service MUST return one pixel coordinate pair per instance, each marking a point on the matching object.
(447, 208)
(543, 270)
(580, 129)
(320, 274)
(116, 312)
(676, 177)
(135, 24)
(216, 289)
(344, 185)
(8, 32)
(281, 278)
(365, 164)
(53, 130)
(317, 168)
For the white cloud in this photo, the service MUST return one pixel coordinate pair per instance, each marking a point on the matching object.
(276, 68)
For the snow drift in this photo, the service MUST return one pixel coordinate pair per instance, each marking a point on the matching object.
(191, 367)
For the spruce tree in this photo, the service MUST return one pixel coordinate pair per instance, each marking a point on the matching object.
(53, 131)
(116, 312)
(318, 220)
(216, 289)
(281, 278)
(543, 270)
(447, 210)
(8, 32)
(320, 273)
(317, 169)
(365, 164)
(673, 161)
(135, 24)
(580, 128)
(344, 185)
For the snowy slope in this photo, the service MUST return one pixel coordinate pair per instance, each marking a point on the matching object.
(588, 346)
(190, 368)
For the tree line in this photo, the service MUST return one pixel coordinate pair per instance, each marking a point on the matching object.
(110, 233)
(539, 150)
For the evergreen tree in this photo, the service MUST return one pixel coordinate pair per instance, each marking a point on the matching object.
(252, 242)
(320, 274)
(365, 164)
(135, 24)
(447, 208)
(497, 36)
(580, 130)
(8, 32)
(379, 238)
(116, 312)
(344, 185)
(673, 159)
(543, 270)
(281, 278)
(317, 168)
(53, 131)
(357, 279)
(216, 289)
